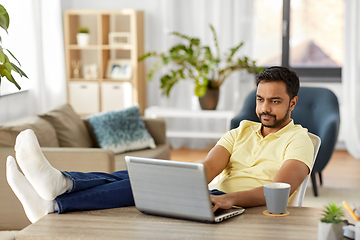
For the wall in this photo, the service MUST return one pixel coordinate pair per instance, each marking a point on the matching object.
(16, 106)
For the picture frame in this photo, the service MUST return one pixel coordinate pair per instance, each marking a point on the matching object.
(119, 69)
(119, 38)
(90, 71)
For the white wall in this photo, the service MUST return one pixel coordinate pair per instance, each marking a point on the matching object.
(16, 106)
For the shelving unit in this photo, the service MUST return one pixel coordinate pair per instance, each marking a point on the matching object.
(97, 91)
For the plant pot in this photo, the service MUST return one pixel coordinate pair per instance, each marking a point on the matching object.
(210, 100)
(82, 39)
(330, 231)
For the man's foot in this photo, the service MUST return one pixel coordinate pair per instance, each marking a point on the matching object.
(35, 207)
(47, 181)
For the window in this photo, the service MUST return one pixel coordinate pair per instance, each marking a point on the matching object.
(305, 35)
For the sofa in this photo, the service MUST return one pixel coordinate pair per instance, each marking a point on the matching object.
(69, 143)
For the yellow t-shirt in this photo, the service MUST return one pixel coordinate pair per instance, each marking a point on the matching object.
(256, 159)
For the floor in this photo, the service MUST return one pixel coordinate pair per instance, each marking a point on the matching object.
(342, 171)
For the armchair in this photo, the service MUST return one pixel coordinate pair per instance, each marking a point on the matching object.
(318, 111)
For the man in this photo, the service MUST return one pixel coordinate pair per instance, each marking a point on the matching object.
(247, 158)
(254, 154)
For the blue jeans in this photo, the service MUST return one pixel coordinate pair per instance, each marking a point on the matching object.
(94, 191)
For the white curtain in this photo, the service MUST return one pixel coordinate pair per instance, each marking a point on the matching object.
(51, 82)
(50, 85)
(232, 20)
(351, 78)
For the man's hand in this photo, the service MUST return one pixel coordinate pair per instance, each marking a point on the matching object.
(221, 201)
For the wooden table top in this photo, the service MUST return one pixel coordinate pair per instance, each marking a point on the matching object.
(129, 223)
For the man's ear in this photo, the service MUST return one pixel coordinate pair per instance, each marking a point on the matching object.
(293, 102)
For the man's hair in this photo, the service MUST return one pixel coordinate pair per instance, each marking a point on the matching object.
(284, 74)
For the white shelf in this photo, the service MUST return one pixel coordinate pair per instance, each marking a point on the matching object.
(155, 111)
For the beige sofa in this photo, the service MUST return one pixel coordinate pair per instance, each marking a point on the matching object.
(85, 159)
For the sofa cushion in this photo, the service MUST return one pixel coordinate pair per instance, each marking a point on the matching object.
(122, 130)
(43, 130)
(70, 129)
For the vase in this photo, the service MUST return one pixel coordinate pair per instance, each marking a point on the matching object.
(82, 39)
(330, 231)
(209, 100)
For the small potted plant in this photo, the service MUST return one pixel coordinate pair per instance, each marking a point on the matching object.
(330, 225)
(83, 37)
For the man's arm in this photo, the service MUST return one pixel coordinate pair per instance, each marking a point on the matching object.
(216, 161)
(292, 172)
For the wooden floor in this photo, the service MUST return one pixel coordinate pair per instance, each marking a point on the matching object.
(342, 171)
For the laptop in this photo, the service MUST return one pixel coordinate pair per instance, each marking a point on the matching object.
(173, 189)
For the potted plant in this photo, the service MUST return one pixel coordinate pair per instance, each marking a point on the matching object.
(196, 62)
(5, 65)
(330, 225)
(83, 37)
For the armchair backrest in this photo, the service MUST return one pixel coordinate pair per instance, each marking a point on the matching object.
(314, 107)
(298, 198)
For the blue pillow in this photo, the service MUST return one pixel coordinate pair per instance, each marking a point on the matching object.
(121, 131)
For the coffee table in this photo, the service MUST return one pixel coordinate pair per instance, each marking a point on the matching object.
(129, 223)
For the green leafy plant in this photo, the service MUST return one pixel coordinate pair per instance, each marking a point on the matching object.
(196, 62)
(332, 214)
(5, 65)
(83, 30)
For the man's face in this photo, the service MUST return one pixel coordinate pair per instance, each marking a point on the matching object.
(273, 105)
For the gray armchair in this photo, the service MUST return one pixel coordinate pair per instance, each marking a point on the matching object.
(318, 111)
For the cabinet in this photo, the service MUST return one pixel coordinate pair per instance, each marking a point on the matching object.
(84, 96)
(105, 74)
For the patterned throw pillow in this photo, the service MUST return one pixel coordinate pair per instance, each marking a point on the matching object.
(121, 131)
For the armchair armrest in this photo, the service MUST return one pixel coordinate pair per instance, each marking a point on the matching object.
(157, 129)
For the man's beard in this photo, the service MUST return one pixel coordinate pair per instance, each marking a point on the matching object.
(277, 123)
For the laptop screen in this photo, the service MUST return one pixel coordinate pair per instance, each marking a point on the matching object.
(170, 188)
